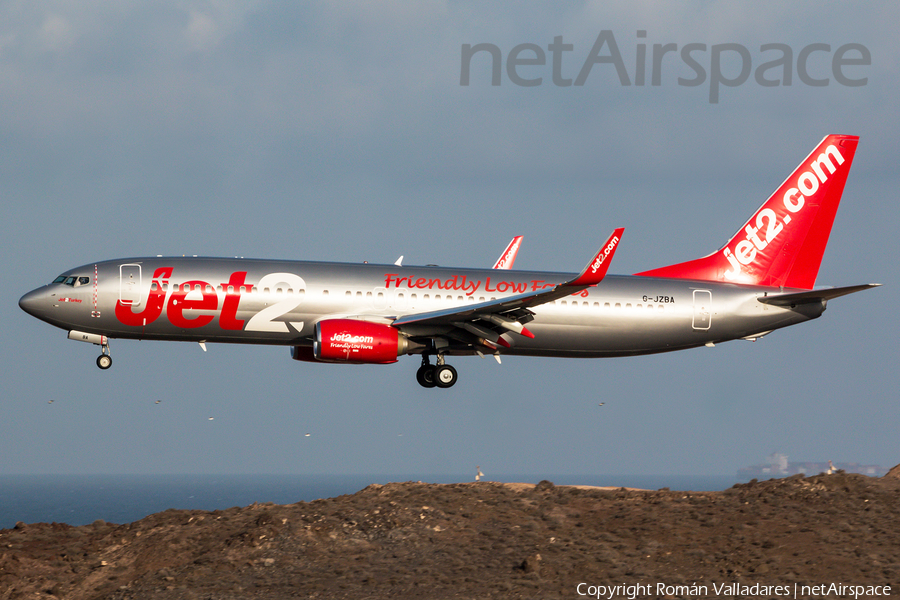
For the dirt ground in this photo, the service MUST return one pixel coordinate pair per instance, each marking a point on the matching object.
(481, 540)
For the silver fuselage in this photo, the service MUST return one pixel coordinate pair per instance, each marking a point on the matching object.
(280, 302)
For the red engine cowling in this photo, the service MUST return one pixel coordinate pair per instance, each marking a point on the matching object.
(349, 340)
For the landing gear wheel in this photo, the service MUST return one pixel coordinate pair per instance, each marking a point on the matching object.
(444, 376)
(104, 361)
(425, 376)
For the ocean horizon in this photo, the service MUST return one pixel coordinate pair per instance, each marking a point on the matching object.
(83, 499)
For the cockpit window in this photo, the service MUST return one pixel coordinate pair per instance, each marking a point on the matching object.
(73, 280)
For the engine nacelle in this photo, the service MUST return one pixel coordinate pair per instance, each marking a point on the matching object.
(353, 341)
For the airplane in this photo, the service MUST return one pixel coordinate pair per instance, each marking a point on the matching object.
(761, 280)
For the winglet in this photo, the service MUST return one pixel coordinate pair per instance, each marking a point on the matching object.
(508, 257)
(596, 270)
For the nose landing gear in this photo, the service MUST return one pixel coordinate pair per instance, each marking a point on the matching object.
(440, 375)
(104, 361)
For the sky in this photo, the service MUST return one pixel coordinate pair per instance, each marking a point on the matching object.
(344, 131)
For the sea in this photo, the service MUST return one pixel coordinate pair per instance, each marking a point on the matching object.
(83, 499)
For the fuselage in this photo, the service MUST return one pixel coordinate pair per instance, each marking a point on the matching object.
(280, 302)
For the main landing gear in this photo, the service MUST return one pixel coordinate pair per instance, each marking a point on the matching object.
(440, 375)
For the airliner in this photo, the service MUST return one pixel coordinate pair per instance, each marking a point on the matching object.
(763, 279)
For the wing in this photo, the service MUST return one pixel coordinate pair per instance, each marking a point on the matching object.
(475, 324)
(508, 258)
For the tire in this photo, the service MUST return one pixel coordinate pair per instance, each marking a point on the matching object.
(104, 361)
(445, 376)
(425, 376)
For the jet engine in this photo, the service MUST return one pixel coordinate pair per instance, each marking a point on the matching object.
(353, 341)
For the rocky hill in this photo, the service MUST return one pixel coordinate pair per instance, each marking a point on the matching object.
(478, 540)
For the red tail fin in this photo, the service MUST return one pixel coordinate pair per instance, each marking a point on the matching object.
(783, 242)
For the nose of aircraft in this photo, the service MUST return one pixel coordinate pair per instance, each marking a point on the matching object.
(33, 302)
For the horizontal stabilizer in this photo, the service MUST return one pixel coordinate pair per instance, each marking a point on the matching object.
(793, 299)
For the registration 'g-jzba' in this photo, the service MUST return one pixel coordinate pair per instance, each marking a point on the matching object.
(761, 280)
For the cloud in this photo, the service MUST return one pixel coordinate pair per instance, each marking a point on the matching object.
(56, 32)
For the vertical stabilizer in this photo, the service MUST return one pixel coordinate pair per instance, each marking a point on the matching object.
(783, 242)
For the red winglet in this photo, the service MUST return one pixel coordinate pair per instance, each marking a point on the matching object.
(596, 270)
(508, 258)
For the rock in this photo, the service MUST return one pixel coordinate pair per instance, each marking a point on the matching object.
(532, 564)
